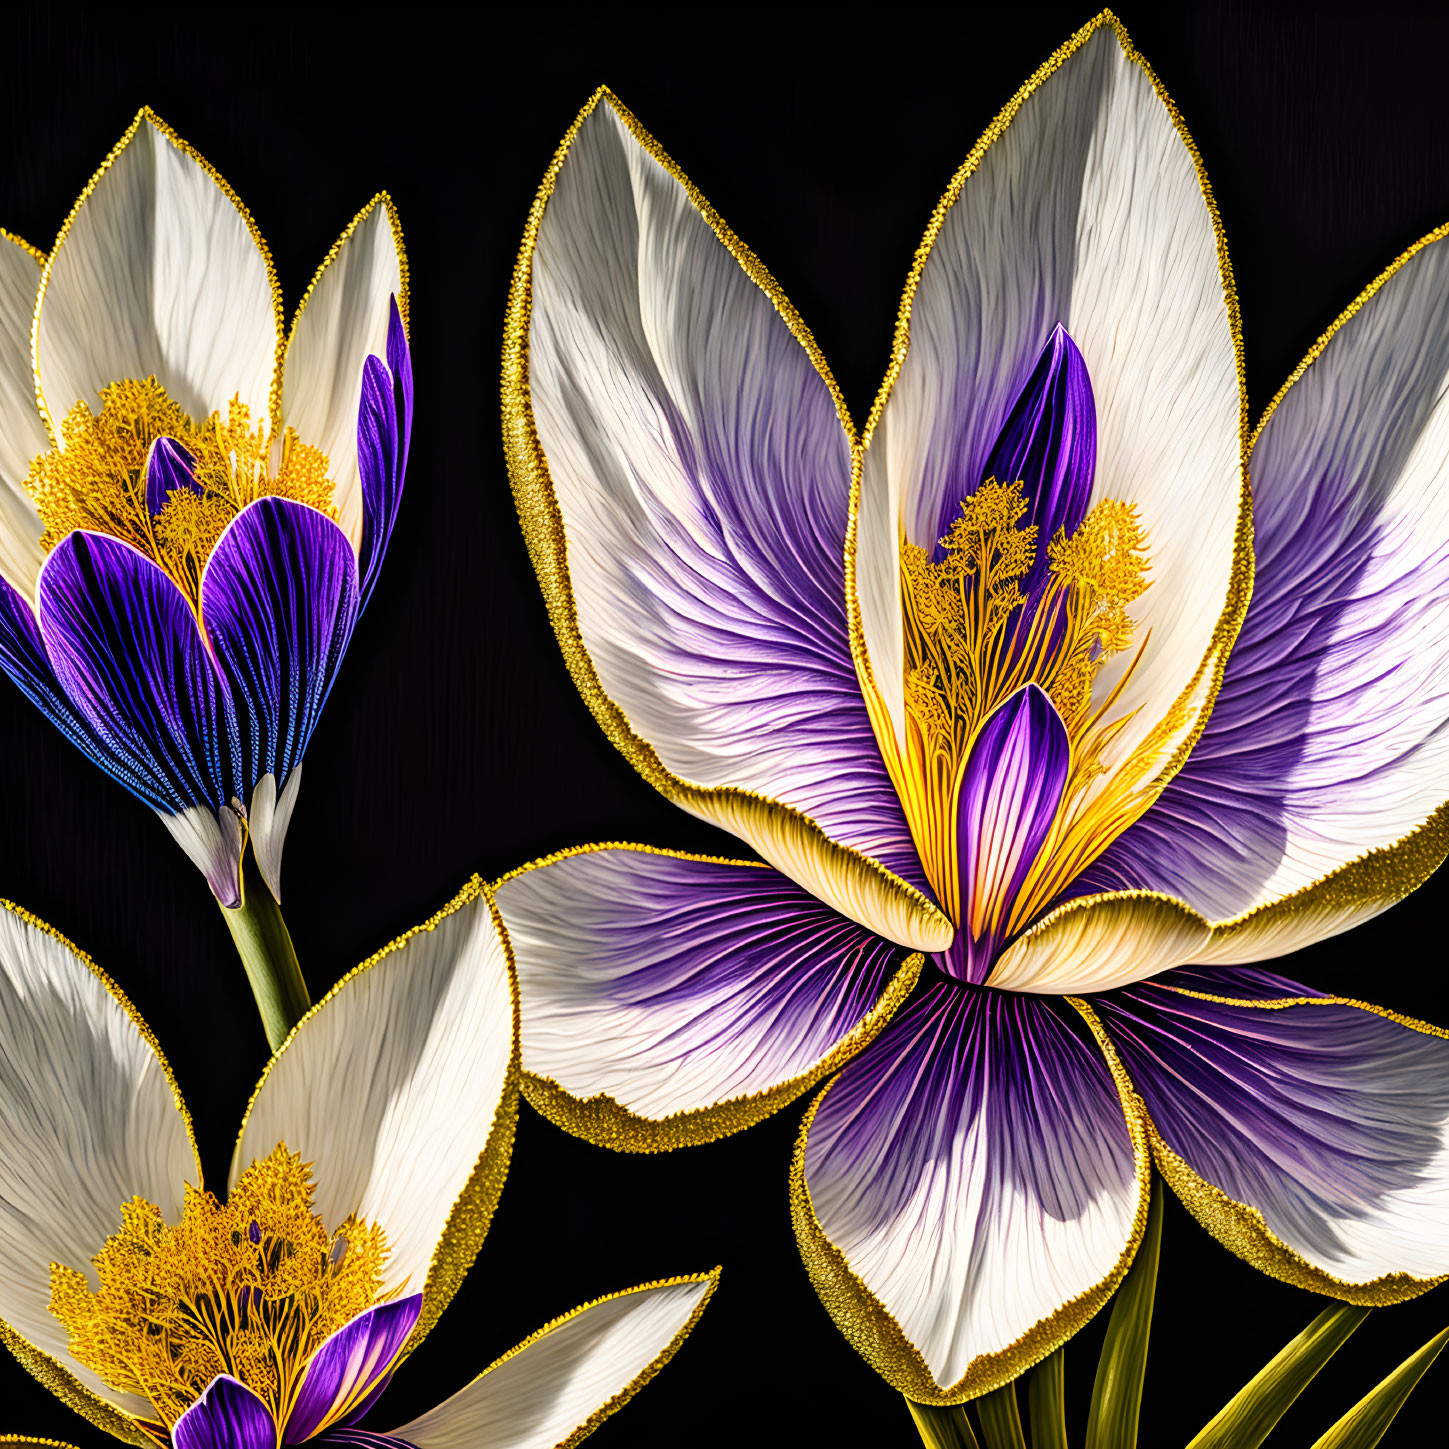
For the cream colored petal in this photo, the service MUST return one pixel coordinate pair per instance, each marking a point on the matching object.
(1084, 204)
(1098, 942)
(341, 321)
(22, 434)
(558, 1386)
(159, 270)
(401, 1086)
(90, 1117)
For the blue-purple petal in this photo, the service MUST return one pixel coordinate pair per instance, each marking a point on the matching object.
(125, 648)
(384, 429)
(1012, 787)
(168, 470)
(364, 1439)
(345, 1376)
(279, 601)
(227, 1416)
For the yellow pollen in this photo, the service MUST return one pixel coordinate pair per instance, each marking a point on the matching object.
(97, 479)
(969, 645)
(250, 1287)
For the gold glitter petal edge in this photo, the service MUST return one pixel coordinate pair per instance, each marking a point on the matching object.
(40, 257)
(144, 115)
(48, 1370)
(872, 1330)
(1243, 1229)
(870, 893)
(468, 1221)
(29, 1441)
(1200, 693)
(640, 1379)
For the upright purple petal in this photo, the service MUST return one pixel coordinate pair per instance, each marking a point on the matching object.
(345, 1376)
(126, 649)
(279, 601)
(1012, 787)
(227, 1416)
(975, 1173)
(1322, 1123)
(1049, 443)
(168, 470)
(384, 428)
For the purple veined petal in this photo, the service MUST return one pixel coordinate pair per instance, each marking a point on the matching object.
(384, 429)
(227, 1416)
(346, 1374)
(126, 650)
(168, 469)
(1049, 443)
(1010, 792)
(364, 1439)
(975, 1168)
(279, 601)
(697, 995)
(1326, 1122)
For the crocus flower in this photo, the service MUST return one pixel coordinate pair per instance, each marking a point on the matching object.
(369, 1162)
(968, 682)
(194, 516)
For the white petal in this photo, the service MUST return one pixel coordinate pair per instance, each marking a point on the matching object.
(559, 1385)
(159, 271)
(1087, 209)
(400, 1086)
(341, 321)
(268, 817)
(90, 1117)
(22, 434)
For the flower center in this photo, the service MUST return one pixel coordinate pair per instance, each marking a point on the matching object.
(974, 636)
(250, 1287)
(144, 472)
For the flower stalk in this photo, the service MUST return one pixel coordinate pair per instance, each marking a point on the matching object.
(267, 954)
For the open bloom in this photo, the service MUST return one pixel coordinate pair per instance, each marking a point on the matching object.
(368, 1166)
(969, 684)
(194, 516)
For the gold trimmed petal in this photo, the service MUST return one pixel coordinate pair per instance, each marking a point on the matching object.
(872, 1330)
(45, 1367)
(462, 1233)
(22, 434)
(606, 1122)
(37, 342)
(844, 877)
(468, 1412)
(29, 1441)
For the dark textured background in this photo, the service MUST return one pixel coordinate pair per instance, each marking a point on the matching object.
(455, 742)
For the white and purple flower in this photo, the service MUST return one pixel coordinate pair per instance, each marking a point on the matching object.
(368, 1166)
(194, 516)
(985, 683)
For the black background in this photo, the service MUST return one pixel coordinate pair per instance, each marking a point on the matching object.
(455, 742)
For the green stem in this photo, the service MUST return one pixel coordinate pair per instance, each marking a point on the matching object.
(1000, 1421)
(943, 1428)
(1046, 1403)
(265, 947)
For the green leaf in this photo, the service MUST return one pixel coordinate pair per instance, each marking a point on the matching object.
(1000, 1422)
(1248, 1418)
(1117, 1391)
(1045, 1402)
(1366, 1423)
(943, 1428)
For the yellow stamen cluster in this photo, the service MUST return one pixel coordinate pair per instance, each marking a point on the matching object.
(250, 1287)
(96, 479)
(970, 645)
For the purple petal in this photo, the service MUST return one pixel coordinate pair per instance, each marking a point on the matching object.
(1328, 736)
(364, 1439)
(345, 1375)
(1013, 785)
(279, 601)
(384, 428)
(168, 470)
(1330, 1120)
(1049, 443)
(227, 1416)
(974, 1166)
(126, 650)
(673, 984)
